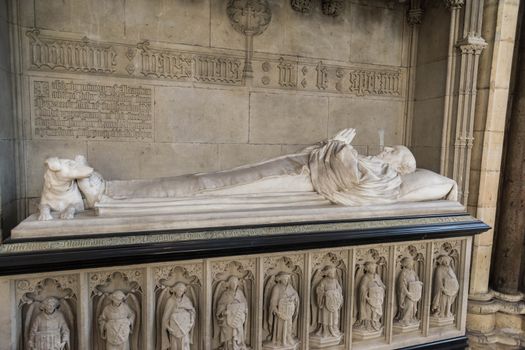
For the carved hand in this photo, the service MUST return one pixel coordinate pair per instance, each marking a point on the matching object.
(346, 135)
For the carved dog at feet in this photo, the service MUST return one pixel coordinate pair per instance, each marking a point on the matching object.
(61, 192)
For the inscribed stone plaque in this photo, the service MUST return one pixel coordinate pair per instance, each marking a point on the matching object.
(91, 110)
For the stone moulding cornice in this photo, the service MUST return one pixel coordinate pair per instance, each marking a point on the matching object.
(493, 302)
(491, 294)
(498, 336)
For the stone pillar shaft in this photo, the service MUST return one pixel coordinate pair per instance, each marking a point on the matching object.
(509, 252)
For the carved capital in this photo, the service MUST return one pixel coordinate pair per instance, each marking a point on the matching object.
(472, 45)
(415, 16)
(454, 4)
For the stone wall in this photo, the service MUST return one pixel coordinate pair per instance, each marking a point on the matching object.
(156, 88)
(7, 128)
(431, 75)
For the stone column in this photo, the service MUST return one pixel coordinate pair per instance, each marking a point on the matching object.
(507, 274)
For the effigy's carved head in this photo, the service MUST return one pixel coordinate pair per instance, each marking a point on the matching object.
(400, 158)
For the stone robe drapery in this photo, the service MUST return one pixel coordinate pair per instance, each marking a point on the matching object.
(342, 176)
(116, 324)
(408, 295)
(232, 311)
(284, 306)
(371, 297)
(333, 168)
(48, 332)
(177, 323)
(329, 301)
(446, 288)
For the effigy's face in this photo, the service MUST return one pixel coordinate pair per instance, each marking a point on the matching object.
(391, 155)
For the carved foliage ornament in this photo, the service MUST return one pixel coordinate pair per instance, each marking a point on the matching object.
(249, 17)
(332, 7)
(48, 317)
(454, 4)
(303, 6)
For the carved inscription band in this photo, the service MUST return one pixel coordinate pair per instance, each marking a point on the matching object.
(144, 61)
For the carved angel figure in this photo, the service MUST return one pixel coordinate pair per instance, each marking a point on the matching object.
(283, 311)
(446, 287)
(371, 294)
(49, 329)
(116, 322)
(409, 290)
(231, 314)
(178, 320)
(328, 300)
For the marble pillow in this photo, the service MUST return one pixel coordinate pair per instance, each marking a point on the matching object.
(429, 185)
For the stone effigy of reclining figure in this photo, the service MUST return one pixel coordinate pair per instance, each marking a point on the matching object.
(330, 171)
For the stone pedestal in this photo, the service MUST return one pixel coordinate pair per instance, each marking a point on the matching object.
(219, 282)
(317, 342)
(401, 328)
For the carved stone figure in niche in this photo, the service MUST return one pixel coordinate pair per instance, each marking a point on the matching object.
(409, 290)
(327, 301)
(231, 313)
(445, 290)
(48, 317)
(177, 302)
(116, 317)
(332, 168)
(371, 295)
(282, 314)
(49, 330)
(116, 322)
(178, 320)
